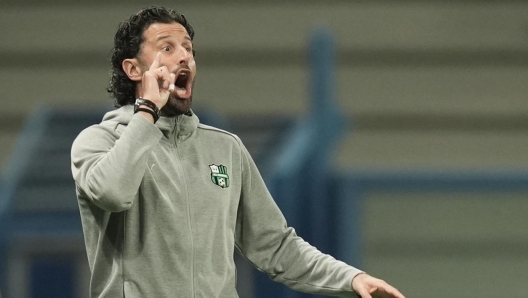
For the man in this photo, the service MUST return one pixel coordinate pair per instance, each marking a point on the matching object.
(165, 200)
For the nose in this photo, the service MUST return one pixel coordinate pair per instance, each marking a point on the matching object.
(184, 56)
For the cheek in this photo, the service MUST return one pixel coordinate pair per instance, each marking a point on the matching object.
(146, 56)
(193, 70)
(192, 66)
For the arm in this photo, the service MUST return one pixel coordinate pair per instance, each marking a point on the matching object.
(263, 237)
(108, 168)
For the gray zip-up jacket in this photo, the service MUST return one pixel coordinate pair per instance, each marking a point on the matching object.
(163, 206)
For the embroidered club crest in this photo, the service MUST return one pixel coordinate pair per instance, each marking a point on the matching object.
(219, 175)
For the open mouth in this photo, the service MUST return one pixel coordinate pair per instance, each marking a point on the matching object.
(183, 83)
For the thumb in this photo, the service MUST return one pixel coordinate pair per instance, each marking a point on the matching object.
(171, 85)
(165, 93)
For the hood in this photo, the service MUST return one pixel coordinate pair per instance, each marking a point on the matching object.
(179, 126)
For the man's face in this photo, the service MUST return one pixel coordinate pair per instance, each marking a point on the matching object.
(176, 48)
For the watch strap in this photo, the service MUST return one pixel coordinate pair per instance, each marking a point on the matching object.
(152, 108)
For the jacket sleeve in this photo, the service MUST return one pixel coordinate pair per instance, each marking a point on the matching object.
(264, 238)
(108, 168)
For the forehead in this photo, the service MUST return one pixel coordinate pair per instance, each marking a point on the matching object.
(157, 30)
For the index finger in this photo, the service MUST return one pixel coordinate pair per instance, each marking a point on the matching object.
(155, 64)
(364, 293)
(392, 291)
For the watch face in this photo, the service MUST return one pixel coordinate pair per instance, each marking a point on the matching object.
(150, 106)
(148, 103)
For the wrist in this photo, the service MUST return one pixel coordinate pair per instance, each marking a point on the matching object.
(147, 115)
(147, 107)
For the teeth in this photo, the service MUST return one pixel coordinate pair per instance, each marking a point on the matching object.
(181, 91)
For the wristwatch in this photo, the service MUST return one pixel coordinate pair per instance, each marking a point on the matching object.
(152, 108)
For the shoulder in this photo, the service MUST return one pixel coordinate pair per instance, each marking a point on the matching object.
(100, 130)
(97, 135)
(215, 132)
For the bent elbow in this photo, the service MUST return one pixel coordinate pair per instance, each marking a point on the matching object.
(113, 200)
(115, 205)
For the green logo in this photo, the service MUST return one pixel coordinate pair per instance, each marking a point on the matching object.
(219, 175)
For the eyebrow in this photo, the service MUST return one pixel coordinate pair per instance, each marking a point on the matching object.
(162, 37)
(168, 36)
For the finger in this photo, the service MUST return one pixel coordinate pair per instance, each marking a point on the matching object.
(165, 77)
(151, 84)
(164, 94)
(156, 63)
(390, 290)
(172, 81)
(363, 293)
(394, 292)
(162, 73)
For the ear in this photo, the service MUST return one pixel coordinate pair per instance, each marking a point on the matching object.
(132, 68)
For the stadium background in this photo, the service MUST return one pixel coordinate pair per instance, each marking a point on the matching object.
(434, 94)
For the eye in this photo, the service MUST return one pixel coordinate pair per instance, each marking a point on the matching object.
(167, 48)
(188, 47)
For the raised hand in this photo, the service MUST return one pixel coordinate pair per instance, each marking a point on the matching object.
(157, 83)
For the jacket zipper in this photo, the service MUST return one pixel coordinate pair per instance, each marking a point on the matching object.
(189, 209)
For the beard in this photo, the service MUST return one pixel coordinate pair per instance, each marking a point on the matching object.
(177, 106)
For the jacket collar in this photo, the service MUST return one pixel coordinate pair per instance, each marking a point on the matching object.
(181, 126)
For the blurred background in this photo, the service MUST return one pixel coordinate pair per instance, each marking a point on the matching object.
(392, 134)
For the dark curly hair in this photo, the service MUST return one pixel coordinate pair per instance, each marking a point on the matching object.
(127, 42)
